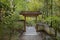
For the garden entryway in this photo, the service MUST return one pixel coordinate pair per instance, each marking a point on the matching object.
(30, 14)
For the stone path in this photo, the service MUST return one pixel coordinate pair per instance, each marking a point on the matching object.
(30, 34)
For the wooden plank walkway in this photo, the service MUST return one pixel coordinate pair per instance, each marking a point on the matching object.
(30, 37)
(31, 34)
(30, 31)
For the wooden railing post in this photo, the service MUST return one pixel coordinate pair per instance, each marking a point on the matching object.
(36, 25)
(25, 24)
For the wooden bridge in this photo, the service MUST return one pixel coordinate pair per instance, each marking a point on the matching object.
(33, 32)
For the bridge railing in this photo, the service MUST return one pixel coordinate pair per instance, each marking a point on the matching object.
(46, 28)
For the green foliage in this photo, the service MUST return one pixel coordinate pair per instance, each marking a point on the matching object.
(55, 21)
(11, 8)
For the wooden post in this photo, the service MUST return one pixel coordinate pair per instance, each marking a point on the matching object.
(36, 24)
(25, 24)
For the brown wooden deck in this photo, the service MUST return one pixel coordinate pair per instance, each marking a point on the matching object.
(30, 37)
(31, 34)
